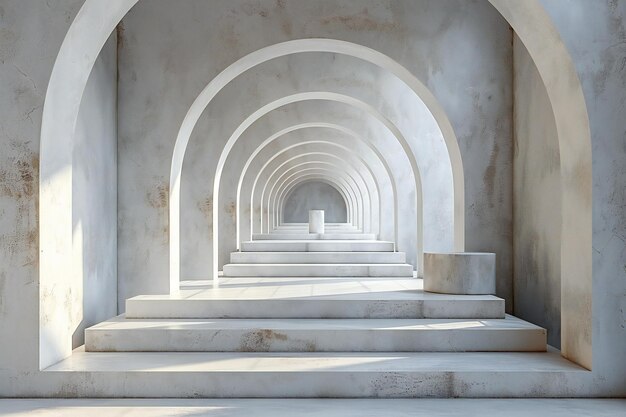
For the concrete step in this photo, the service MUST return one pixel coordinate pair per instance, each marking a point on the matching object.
(317, 257)
(314, 298)
(317, 246)
(305, 230)
(315, 335)
(318, 270)
(314, 236)
(310, 375)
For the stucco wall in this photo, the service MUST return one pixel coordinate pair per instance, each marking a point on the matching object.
(163, 68)
(314, 196)
(537, 201)
(94, 177)
(31, 33)
(595, 36)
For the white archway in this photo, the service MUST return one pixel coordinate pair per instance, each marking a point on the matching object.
(317, 153)
(79, 50)
(337, 127)
(288, 148)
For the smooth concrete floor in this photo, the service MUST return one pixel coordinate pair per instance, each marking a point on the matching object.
(325, 408)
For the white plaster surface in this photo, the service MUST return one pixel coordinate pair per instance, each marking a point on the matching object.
(537, 214)
(325, 408)
(94, 176)
(460, 273)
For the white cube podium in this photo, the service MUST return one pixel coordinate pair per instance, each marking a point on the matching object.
(316, 221)
(460, 273)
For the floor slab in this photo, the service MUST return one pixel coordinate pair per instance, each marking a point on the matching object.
(315, 407)
(315, 375)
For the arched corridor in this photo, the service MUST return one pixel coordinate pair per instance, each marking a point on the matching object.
(285, 198)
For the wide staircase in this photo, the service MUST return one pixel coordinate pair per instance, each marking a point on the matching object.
(304, 315)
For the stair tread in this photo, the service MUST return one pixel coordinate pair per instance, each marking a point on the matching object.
(122, 323)
(318, 288)
(315, 362)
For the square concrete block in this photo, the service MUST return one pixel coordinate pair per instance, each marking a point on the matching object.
(460, 273)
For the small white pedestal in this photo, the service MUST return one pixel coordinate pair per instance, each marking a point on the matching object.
(460, 273)
(316, 221)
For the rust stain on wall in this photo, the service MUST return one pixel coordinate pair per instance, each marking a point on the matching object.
(231, 210)
(158, 198)
(19, 183)
(206, 207)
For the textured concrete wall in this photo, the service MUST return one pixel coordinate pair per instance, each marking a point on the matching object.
(472, 83)
(94, 177)
(595, 35)
(315, 196)
(537, 201)
(31, 32)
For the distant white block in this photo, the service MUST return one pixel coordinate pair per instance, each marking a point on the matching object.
(460, 273)
(316, 221)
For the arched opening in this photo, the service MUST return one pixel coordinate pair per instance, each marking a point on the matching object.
(314, 195)
(85, 39)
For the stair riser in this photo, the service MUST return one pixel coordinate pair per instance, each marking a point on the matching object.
(322, 309)
(314, 236)
(165, 383)
(319, 246)
(317, 257)
(269, 340)
(316, 270)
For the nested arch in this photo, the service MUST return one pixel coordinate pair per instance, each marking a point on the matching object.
(372, 192)
(348, 175)
(297, 203)
(313, 175)
(79, 50)
(294, 98)
(335, 127)
(302, 144)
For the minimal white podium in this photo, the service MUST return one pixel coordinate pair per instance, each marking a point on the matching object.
(316, 221)
(460, 273)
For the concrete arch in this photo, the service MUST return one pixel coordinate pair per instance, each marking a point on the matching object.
(316, 95)
(303, 175)
(348, 132)
(353, 185)
(362, 193)
(79, 50)
(289, 48)
(323, 142)
(311, 177)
